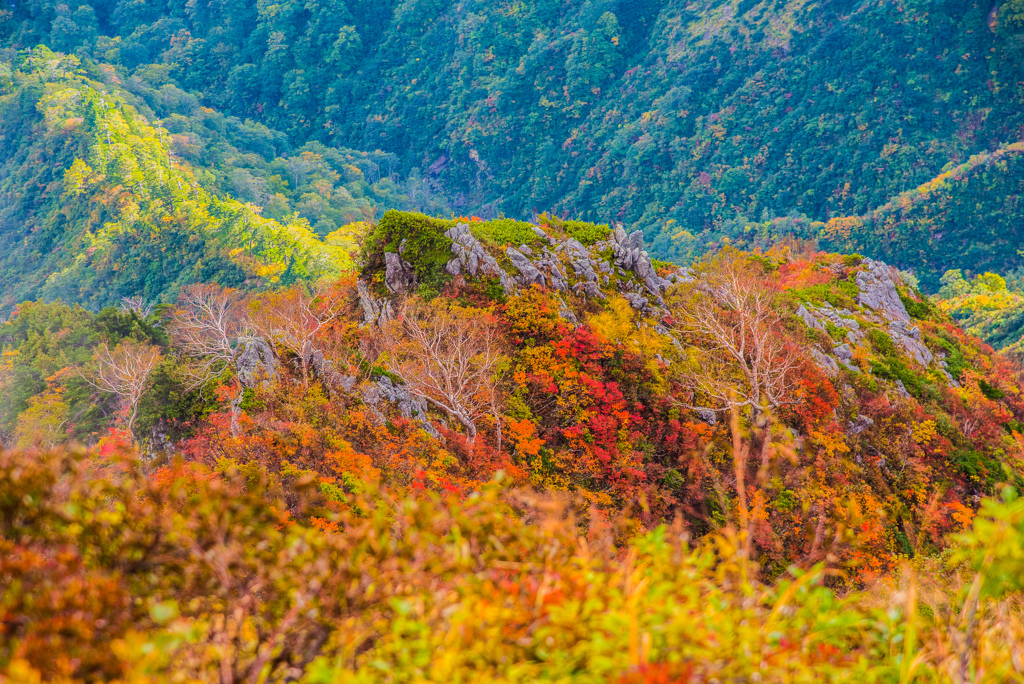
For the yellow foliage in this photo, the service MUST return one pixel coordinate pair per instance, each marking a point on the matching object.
(924, 432)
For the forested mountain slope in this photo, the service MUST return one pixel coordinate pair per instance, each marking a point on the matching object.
(690, 120)
(111, 189)
(518, 435)
(95, 208)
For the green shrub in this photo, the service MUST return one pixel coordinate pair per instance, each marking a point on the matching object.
(841, 294)
(955, 360)
(882, 343)
(977, 467)
(586, 233)
(990, 391)
(427, 247)
(505, 231)
(920, 310)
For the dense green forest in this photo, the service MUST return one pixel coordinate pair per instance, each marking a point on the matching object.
(692, 121)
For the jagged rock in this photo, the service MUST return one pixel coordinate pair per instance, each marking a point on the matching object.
(472, 258)
(325, 369)
(824, 361)
(539, 233)
(255, 362)
(637, 301)
(159, 440)
(910, 339)
(683, 275)
(585, 270)
(549, 263)
(526, 250)
(808, 319)
(409, 406)
(374, 310)
(454, 267)
(706, 415)
(860, 425)
(566, 313)
(843, 353)
(901, 389)
(528, 273)
(834, 317)
(399, 276)
(589, 288)
(877, 285)
(636, 240)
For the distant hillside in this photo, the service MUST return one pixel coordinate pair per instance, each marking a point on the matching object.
(693, 121)
(94, 206)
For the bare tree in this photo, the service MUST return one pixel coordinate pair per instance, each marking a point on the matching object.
(137, 304)
(124, 371)
(296, 317)
(207, 324)
(730, 313)
(446, 356)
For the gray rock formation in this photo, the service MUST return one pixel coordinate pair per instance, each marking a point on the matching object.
(374, 310)
(824, 361)
(706, 415)
(565, 313)
(843, 353)
(399, 275)
(878, 291)
(471, 258)
(809, 320)
(256, 362)
(877, 285)
(529, 274)
(324, 368)
(549, 263)
(860, 425)
(409, 407)
(909, 337)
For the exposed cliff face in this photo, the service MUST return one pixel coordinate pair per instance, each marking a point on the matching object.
(615, 263)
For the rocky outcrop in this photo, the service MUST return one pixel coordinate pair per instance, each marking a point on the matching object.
(399, 274)
(909, 337)
(374, 310)
(706, 415)
(256, 362)
(383, 391)
(860, 425)
(628, 255)
(877, 284)
(529, 274)
(563, 265)
(809, 320)
(324, 368)
(471, 258)
(824, 361)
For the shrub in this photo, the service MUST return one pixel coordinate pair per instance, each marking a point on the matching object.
(586, 233)
(426, 246)
(505, 231)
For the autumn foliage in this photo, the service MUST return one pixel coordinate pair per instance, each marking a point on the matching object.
(288, 446)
